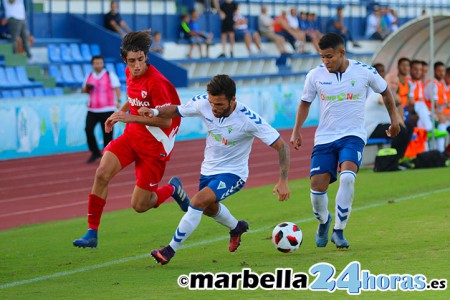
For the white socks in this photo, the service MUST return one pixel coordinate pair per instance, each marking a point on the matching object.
(344, 199)
(187, 225)
(225, 218)
(319, 202)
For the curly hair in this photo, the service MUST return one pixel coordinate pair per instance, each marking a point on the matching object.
(222, 85)
(136, 41)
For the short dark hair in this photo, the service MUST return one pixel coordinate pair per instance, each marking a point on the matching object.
(136, 41)
(424, 63)
(378, 65)
(97, 57)
(402, 59)
(331, 40)
(438, 64)
(416, 62)
(222, 84)
(447, 71)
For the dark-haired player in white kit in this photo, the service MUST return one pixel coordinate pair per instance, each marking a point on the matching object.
(341, 85)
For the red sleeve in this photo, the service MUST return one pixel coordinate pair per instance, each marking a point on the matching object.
(160, 94)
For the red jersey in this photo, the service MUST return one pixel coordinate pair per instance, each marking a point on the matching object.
(151, 90)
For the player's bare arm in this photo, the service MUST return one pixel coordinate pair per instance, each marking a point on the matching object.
(389, 102)
(302, 114)
(125, 117)
(282, 188)
(165, 112)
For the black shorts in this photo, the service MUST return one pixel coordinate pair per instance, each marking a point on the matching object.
(227, 26)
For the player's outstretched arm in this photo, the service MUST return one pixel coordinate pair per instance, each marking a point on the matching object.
(282, 188)
(165, 112)
(389, 102)
(302, 114)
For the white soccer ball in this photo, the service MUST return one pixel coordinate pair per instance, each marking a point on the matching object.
(287, 237)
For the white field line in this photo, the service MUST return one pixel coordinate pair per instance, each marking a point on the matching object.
(133, 258)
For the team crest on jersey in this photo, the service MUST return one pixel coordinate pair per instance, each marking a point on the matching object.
(352, 82)
(144, 94)
(230, 129)
(221, 185)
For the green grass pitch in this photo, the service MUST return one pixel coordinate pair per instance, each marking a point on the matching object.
(399, 225)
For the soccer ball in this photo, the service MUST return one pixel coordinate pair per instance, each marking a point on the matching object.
(287, 237)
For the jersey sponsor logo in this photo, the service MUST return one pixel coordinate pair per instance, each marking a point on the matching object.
(340, 97)
(221, 139)
(144, 94)
(137, 102)
(222, 185)
(251, 115)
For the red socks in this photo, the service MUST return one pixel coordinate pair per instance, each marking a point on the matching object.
(95, 210)
(164, 193)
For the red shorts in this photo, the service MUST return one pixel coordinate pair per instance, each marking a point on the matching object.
(148, 169)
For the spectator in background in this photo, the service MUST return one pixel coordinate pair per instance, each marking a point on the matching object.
(190, 31)
(296, 38)
(15, 18)
(309, 33)
(101, 86)
(392, 16)
(424, 71)
(114, 22)
(373, 27)
(377, 120)
(380, 69)
(157, 46)
(226, 12)
(242, 32)
(337, 26)
(265, 27)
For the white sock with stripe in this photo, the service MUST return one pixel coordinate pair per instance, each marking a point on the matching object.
(225, 218)
(187, 225)
(344, 199)
(319, 202)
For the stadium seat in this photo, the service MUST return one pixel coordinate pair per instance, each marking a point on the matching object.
(76, 53)
(11, 77)
(38, 92)
(110, 68)
(48, 92)
(22, 76)
(53, 53)
(16, 93)
(54, 72)
(78, 73)
(28, 93)
(86, 52)
(65, 54)
(67, 76)
(3, 79)
(120, 71)
(58, 91)
(95, 49)
(87, 69)
(6, 94)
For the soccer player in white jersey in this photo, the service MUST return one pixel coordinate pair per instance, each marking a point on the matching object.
(341, 86)
(232, 128)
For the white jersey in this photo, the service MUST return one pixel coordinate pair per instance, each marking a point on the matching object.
(342, 99)
(229, 139)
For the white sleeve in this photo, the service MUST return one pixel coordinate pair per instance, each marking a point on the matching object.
(114, 80)
(259, 127)
(309, 90)
(376, 82)
(193, 107)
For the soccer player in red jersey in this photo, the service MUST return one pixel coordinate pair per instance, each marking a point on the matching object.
(146, 141)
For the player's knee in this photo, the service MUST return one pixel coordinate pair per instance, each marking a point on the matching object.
(139, 208)
(347, 178)
(103, 174)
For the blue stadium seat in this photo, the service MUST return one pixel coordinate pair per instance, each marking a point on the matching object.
(86, 52)
(110, 68)
(65, 54)
(87, 69)
(76, 53)
(120, 71)
(48, 92)
(39, 92)
(95, 49)
(16, 93)
(6, 94)
(58, 91)
(67, 76)
(3, 79)
(77, 73)
(54, 72)
(22, 76)
(53, 53)
(28, 93)
(11, 77)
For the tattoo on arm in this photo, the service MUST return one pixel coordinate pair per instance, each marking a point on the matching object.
(284, 158)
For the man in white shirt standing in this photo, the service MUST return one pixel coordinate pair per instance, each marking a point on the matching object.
(232, 127)
(17, 23)
(341, 86)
